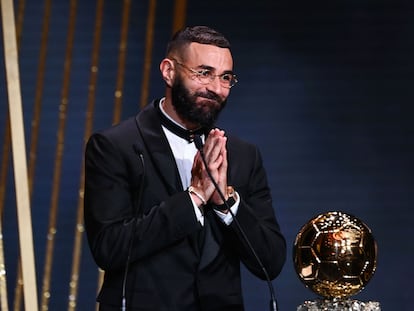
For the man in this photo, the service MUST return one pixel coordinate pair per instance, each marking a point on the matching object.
(156, 223)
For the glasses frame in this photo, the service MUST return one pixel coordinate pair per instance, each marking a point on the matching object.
(199, 75)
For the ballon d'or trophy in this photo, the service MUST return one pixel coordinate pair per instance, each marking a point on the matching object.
(335, 255)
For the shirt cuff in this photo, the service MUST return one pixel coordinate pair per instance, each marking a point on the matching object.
(197, 211)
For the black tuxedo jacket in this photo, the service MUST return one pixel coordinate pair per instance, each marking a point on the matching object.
(169, 270)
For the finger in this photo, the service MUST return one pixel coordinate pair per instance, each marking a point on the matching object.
(214, 148)
(197, 166)
(209, 143)
(212, 139)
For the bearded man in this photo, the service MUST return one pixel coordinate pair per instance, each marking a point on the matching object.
(168, 220)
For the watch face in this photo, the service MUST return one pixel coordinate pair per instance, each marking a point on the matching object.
(230, 191)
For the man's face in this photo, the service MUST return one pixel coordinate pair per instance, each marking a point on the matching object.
(196, 102)
(199, 107)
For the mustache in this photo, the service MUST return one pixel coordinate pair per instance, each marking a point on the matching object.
(209, 95)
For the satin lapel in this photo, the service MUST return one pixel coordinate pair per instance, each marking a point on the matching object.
(157, 145)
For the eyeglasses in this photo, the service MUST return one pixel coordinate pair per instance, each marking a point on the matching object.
(206, 76)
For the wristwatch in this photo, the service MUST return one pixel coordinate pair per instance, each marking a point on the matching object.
(229, 202)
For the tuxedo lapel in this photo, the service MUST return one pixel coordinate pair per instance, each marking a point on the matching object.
(156, 143)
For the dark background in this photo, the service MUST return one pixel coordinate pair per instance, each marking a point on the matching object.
(325, 91)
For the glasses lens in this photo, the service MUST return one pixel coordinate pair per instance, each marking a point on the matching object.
(228, 80)
(205, 76)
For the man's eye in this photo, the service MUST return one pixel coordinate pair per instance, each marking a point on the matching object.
(204, 73)
(227, 77)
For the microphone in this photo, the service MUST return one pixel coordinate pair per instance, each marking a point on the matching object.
(273, 302)
(137, 202)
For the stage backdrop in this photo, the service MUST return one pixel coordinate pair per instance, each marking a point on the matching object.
(325, 91)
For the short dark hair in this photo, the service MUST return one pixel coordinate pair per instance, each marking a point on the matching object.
(198, 34)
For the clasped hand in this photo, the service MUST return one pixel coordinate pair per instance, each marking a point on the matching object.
(215, 153)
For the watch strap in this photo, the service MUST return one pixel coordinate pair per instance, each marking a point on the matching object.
(225, 206)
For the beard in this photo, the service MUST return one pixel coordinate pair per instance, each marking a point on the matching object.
(204, 112)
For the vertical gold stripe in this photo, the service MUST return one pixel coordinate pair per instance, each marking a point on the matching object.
(20, 20)
(6, 138)
(58, 158)
(180, 9)
(18, 297)
(149, 39)
(19, 282)
(39, 92)
(36, 118)
(121, 62)
(77, 249)
(19, 154)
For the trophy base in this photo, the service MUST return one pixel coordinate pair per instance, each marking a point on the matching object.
(339, 305)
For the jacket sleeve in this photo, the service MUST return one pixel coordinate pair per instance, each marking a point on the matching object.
(255, 216)
(112, 178)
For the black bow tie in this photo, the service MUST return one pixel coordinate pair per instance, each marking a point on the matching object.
(178, 130)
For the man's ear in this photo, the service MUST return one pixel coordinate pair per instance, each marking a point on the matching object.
(167, 71)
